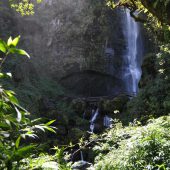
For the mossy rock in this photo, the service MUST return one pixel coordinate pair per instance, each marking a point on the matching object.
(81, 165)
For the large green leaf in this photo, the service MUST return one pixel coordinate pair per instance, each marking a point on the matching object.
(18, 51)
(2, 46)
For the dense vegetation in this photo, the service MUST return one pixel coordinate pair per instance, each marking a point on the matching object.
(139, 140)
(15, 124)
(24, 7)
(135, 146)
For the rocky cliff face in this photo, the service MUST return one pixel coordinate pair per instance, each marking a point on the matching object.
(79, 43)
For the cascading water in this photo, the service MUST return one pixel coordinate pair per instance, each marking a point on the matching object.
(95, 113)
(107, 121)
(133, 54)
(81, 154)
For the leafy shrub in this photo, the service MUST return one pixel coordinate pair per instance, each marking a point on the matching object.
(46, 162)
(15, 125)
(135, 147)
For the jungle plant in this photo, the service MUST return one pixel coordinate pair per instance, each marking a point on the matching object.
(135, 146)
(24, 7)
(15, 126)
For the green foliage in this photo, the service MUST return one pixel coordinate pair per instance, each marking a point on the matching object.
(60, 155)
(35, 161)
(135, 147)
(10, 48)
(24, 7)
(15, 126)
(153, 99)
(154, 15)
(141, 6)
(46, 161)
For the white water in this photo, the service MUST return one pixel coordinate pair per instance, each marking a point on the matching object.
(94, 116)
(81, 154)
(107, 121)
(132, 61)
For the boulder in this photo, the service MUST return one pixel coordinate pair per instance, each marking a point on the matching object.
(81, 165)
(50, 166)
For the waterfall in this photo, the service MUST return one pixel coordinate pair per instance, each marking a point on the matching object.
(81, 154)
(133, 54)
(107, 121)
(94, 116)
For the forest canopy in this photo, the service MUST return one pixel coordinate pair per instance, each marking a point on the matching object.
(24, 7)
(157, 8)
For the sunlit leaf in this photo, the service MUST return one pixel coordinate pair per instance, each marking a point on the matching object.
(39, 1)
(15, 41)
(36, 120)
(18, 51)
(9, 42)
(25, 112)
(2, 46)
(50, 129)
(23, 136)
(17, 142)
(39, 127)
(9, 75)
(19, 115)
(10, 92)
(50, 122)
(11, 96)
(31, 135)
(5, 75)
